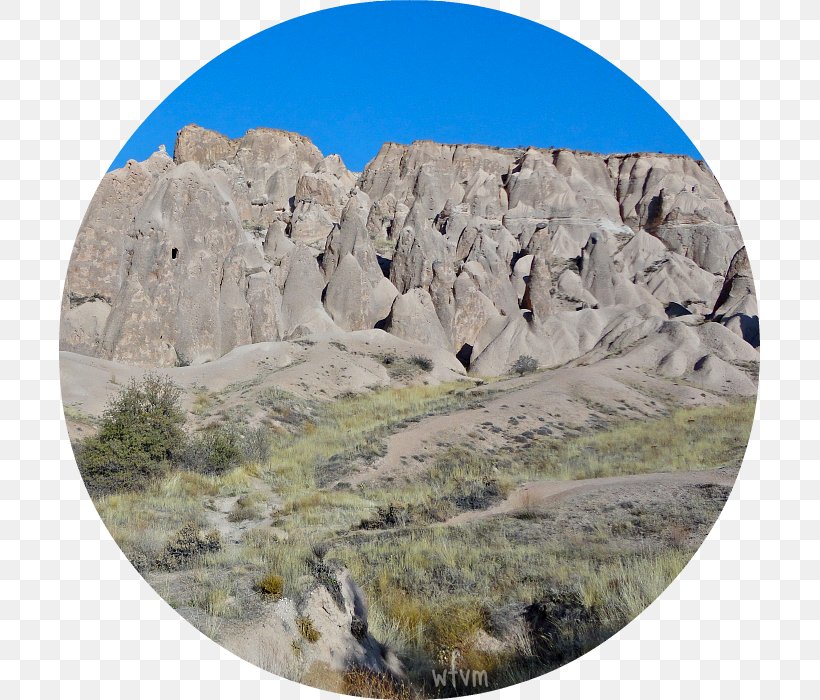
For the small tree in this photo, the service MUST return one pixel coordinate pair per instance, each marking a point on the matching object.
(525, 365)
(141, 431)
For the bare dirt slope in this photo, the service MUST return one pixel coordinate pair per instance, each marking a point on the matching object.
(319, 368)
(534, 497)
(517, 410)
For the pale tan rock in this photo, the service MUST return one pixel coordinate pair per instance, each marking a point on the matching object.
(736, 305)
(538, 293)
(302, 310)
(495, 252)
(413, 317)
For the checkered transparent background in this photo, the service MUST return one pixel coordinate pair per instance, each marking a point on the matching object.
(740, 76)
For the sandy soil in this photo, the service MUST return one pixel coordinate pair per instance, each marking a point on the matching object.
(537, 495)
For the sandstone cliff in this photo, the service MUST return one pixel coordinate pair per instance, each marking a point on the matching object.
(485, 252)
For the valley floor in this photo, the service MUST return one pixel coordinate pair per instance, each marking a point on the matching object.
(495, 528)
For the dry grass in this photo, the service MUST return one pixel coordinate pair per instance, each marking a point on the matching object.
(432, 588)
(272, 585)
(202, 403)
(688, 439)
(353, 428)
(142, 522)
(251, 506)
(72, 413)
(263, 551)
(307, 629)
(367, 684)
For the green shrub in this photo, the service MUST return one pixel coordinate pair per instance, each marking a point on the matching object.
(213, 451)
(223, 450)
(256, 444)
(141, 432)
(272, 585)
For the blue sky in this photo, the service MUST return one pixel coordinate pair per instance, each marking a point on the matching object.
(351, 78)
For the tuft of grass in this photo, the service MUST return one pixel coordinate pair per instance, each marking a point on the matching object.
(141, 523)
(248, 507)
(262, 550)
(285, 407)
(211, 596)
(202, 403)
(73, 413)
(272, 585)
(307, 629)
(187, 484)
(238, 480)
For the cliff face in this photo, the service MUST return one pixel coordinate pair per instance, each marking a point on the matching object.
(489, 253)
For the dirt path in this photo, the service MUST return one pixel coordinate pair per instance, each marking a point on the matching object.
(517, 410)
(218, 511)
(536, 495)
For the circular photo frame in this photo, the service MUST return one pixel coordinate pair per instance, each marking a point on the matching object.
(403, 368)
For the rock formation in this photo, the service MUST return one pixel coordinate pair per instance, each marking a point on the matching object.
(736, 305)
(487, 253)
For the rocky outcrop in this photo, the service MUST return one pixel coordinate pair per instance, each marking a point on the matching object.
(486, 253)
(736, 305)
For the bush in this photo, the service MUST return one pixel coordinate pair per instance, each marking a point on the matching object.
(222, 449)
(272, 585)
(256, 444)
(525, 365)
(213, 451)
(405, 367)
(189, 543)
(424, 363)
(141, 432)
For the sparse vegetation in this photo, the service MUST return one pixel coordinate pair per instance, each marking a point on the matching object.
(307, 629)
(352, 429)
(405, 368)
(687, 439)
(434, 590)
(515, 595)
(188, 544)
(423, 363)
(248, 507)
(201, 403)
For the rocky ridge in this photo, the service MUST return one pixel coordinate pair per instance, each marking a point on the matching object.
(487, 253)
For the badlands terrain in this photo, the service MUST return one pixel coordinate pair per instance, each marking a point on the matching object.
(490, 400)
